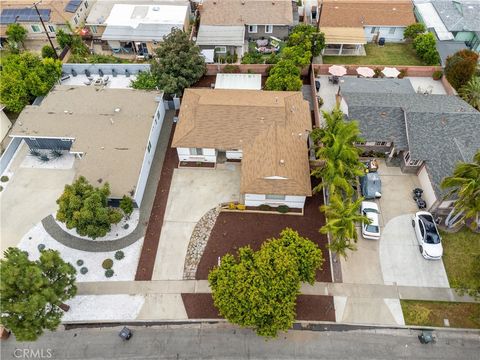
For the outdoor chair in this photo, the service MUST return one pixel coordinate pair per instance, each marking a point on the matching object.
(100, 72)
(106, 79)
(127, 73)
(87, 73)
(114, 73)
(74, 73)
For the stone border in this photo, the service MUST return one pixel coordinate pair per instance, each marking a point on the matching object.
(198, 242)
(55, 231)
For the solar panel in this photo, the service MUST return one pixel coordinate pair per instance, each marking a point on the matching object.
(9, 16)
(73, 5)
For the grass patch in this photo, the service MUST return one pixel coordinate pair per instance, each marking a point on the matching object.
(390, 54)
(432, 313)
(459, 251)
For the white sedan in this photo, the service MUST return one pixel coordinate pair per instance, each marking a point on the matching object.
(428, 238)
(372, 230)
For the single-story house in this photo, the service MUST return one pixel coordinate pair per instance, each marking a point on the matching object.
(56, 14)
(456, 24)
(113, 141)
(136, 26)
(349, 24)
(429, 133)
(266, 130)
(228, 25)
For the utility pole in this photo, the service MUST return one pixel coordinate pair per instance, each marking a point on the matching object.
(45, 28)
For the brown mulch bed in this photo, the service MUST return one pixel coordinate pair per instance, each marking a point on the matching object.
(155, 222)
(234, 230)
(197, 164)
(309, 307)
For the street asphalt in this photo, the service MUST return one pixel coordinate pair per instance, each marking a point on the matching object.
(228, 342)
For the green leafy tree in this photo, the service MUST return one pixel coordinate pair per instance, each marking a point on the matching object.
(16, 34)
(297, 55)
(178, 63)
(470, 92)
(48, 52)
(465, 187)
(85, 208)
(64, 39)
(26, 76)
(413, 30)
(126, 204)
(308, 38)
(284, 76)
(424, 45)
(342, 217)
(146, 80)
(32, 292)
(259, 289)
(460, 68)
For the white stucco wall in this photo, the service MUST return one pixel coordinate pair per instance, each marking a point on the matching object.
(428, 192)
(149, 152)
(231, 154)
(292, 201)
(385, 33)
(209, 155)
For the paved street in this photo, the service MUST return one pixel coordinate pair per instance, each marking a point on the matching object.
(227, 342)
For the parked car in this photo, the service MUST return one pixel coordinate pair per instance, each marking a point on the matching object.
(372, 230)
(371, 185)
(427, 234)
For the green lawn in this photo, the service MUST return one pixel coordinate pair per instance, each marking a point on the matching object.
(459, 250)
(390, 54)
(432, 313)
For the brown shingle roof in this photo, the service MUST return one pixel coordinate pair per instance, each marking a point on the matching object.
(245, 12)
(355, 13)
(270, 127)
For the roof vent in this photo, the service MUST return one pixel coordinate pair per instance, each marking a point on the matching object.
(273, 2)
(243, 2)
(282, 162)
(117, 110)
(156, 8)
(65, 111)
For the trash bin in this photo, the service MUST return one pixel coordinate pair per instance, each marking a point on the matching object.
(125, 333)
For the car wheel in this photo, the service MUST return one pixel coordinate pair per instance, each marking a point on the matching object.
(420, 247)
(413, 223)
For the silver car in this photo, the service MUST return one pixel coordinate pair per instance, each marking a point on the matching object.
(428, 237)
(372, 230)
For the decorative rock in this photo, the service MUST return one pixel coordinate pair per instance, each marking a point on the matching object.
(79, 262)
(41, 247)
(83, 270)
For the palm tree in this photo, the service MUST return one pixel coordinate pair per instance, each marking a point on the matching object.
(470, 92)
(465, 184)
(342, 217)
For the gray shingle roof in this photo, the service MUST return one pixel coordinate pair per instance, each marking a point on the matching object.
(459, 15)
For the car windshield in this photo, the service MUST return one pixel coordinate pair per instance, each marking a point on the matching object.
(431, 235)
(370, 210)
(372, 228)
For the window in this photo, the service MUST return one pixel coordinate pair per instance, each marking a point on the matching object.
(374, 29)
(35, 28)
(380, 143)
(252, 29)
(86, 4)
(51, 28)
(196, 151)
(221, 49)
(392, 30)
(64, 139)
(149, 147)
(274, 197)
(75, 19)
(268, 29)
(93, 28)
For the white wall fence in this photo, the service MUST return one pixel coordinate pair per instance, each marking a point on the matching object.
(8, 154)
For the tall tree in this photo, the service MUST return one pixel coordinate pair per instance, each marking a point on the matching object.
(284, 76)
(342, 217)
(259, 289)
(465, 187)
(32, 292)
(178, 63)
(16, 34)
(413, 30)
(85, 208)
(460, 67)
(26, 76)
(470, 92)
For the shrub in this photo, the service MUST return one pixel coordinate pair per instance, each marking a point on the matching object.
(4, 178)
(241, 207)
(1, 188)
(55, 154)
(126, 204)
(44, 158)
(283, 209)
(119, 255)
(437, 75)
(83, 270)
(413, 30)
(320, 102)
(378, 72)
(107, 264)
(425, 47)
(79, 262)
(48, 52)
(231, 69)
(231, 206)
(265, 207)
(109, 273)
(402, 74)
(35, 152)
(41, 247)
(145, 81)
(284, 76)
(231, 58)
(252, 57)
(460, 67)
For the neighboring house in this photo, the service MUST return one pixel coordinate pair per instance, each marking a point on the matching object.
(136, 26)
(456, 23)
(349, 24)
(113, 141)
(228, 25)
(267, 130)
(56, 14)
(429, 133)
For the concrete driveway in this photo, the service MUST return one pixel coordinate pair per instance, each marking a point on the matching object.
(192, 193)
(30, 195)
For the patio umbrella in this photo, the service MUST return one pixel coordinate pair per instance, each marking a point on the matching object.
(365, 71)
(390, 72)
(337, 70)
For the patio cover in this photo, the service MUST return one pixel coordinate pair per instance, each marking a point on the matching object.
(144, 32)
(221, 35)
(344, 35)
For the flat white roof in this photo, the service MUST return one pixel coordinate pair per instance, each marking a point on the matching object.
(433, 20)
(134, 15)
(213, 35)
(239, 81)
